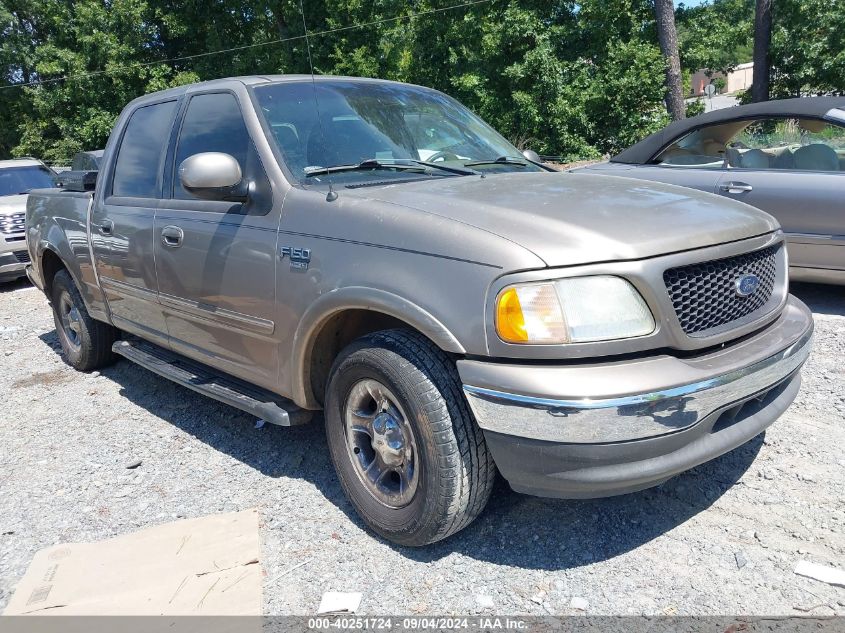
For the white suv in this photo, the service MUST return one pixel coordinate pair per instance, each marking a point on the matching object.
(17, 179)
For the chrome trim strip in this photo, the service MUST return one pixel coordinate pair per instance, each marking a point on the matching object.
(128, 290)
(637, 416)
(817, 275)
(204, 313)
(823, 239)
(215, 315)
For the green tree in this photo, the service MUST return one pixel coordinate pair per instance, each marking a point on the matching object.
(71, 111)
(808, 48)
(716, 36)
(566, 78)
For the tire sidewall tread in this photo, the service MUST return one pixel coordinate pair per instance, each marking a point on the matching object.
(96, 338)
(456, 470)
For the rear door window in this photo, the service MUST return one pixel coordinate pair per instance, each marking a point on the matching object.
(139, 158)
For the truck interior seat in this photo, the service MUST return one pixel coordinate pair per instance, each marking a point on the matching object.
(289, 142)
(783, 159)
(748, 158)
(713, 148)
(754, 159)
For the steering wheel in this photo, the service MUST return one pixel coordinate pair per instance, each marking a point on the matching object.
(442, 156)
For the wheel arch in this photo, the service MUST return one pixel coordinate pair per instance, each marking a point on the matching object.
(50, 262)
(341, 316)
(56, 250)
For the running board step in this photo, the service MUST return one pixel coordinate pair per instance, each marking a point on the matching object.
(259, 402)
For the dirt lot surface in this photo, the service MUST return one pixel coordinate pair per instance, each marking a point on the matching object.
(723, 538)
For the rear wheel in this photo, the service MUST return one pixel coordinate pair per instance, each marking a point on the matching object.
(406, 448)
(86, 343)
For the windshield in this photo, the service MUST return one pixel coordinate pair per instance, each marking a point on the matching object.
(19, 180)
(363, 120)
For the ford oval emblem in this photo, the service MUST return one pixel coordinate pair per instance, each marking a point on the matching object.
(747, 285)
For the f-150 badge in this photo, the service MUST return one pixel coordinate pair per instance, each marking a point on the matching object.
(299, 257)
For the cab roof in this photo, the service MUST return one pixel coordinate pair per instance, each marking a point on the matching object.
(254, 80)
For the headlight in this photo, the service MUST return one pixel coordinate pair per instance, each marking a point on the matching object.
(574, 310)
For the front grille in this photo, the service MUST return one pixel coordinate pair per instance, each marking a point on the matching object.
(22, 257)
(13, 223)
(704, 295)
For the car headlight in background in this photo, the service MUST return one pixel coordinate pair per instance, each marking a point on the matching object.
(574, 310)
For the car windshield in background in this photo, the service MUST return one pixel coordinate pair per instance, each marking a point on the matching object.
(19, 180)
(369, 125)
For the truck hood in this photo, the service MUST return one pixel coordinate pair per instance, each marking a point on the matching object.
(569, 219)
(12, 204)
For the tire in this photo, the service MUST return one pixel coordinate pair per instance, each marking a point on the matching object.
(448, 473)
(86, 343)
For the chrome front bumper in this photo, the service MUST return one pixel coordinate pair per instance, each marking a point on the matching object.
(666, 403)
(11, 268)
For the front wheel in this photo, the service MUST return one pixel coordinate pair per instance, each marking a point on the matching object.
(406, 448)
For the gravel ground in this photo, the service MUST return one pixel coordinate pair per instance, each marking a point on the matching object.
(723, 538)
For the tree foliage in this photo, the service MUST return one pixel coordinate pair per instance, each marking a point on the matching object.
(808, 48)
(716, 36)
(566, 78)
(570, 78)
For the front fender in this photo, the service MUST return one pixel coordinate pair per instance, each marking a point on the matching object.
(360, 298)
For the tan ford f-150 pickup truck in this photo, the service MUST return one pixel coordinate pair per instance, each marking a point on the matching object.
(376, 251)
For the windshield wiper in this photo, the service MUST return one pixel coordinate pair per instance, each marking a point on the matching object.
(408, 164)
(502, 160)
(461, 171)
(364, 165)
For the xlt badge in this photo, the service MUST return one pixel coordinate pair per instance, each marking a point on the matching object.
(299, 257)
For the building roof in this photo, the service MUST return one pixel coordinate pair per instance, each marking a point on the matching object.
(804, 107)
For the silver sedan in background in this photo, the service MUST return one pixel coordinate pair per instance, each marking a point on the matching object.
(785, 157)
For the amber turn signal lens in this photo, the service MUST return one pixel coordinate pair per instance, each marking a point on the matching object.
(530, 313)
(510, 322)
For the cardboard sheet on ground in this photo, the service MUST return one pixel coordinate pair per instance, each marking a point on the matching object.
(203, 566)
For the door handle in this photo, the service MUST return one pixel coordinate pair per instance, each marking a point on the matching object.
(106, 227)
(172, 236)
(736, 187)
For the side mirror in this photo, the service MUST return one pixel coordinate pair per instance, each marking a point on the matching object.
(213, 176)
(533, 156)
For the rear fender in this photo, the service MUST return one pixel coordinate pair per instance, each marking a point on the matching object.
(67, 238)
